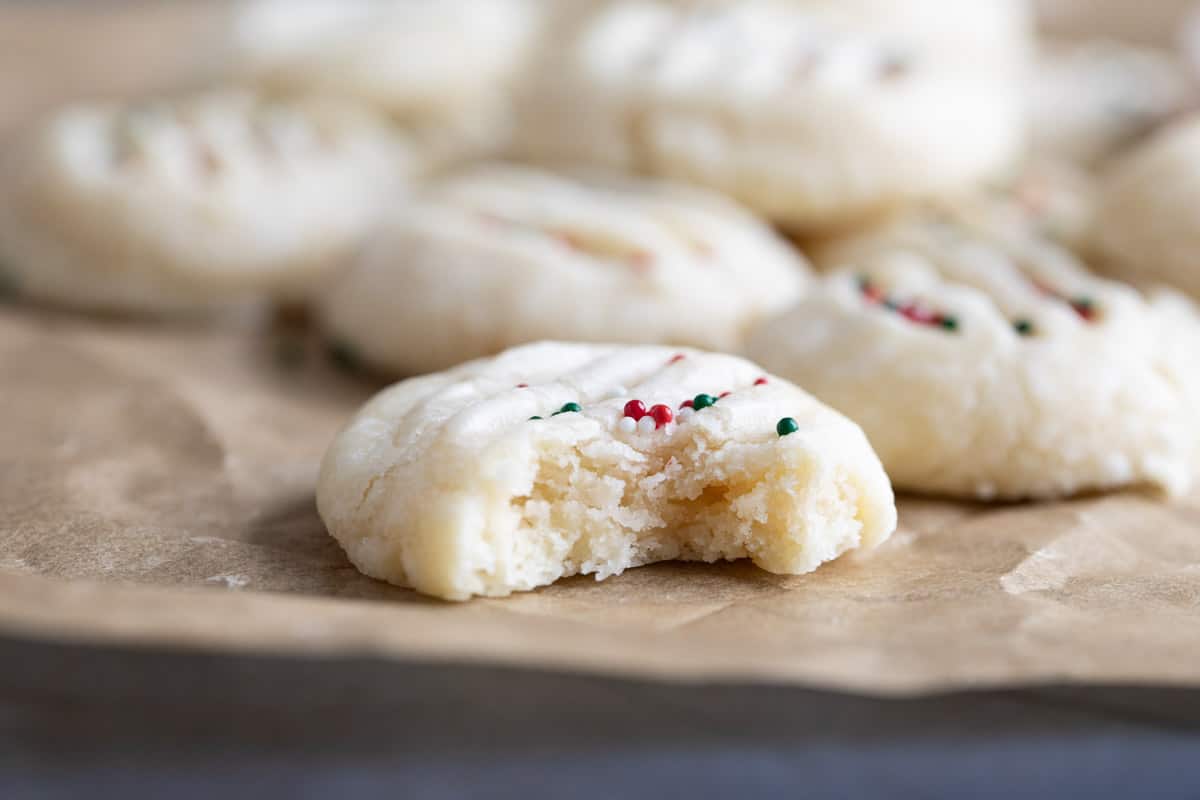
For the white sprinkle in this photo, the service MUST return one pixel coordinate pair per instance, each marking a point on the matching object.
(646, 424)
(685, 414)
(627, 425)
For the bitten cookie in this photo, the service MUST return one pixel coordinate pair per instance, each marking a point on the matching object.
(989, 366)
(447, 65)
(192, 204)
(809, 121)
(1147, 224)
(502, 255)
(553, 460)
(1091, 99)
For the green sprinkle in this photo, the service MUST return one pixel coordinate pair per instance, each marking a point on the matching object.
(568, 408)
(342, 355)
(787, 426)
(703, 401)
(949, 323)
(1085, 303)
(531, 419)
(1023, 327)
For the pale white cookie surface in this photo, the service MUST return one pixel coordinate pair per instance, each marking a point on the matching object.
(1147, 227)
(811, 121)
(193, 203)
(445, 64)
(1090, 99)
(987, 365)
(1045, 198)
(500, 255)
(979, 34)
(445, 484)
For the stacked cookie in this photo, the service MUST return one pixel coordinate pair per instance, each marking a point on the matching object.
(559, 220)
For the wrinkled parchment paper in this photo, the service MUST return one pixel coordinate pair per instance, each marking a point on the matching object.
(156, 486)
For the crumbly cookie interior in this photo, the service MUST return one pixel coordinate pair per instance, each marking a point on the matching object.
(602, 506)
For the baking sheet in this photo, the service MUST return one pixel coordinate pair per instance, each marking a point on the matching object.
(156, 486)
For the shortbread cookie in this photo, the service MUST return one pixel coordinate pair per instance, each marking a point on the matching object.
(551, 460)
(1091, 99)
(1045, 198)
(502, 255)
(185, 205)
(984, 34)
(987, 366)
(811, 123)
(1147, 227)
(443, 64)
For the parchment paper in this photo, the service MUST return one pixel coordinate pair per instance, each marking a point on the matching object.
(156, 486)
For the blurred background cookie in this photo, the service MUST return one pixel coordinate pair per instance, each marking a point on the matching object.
(443, 66)
(499, 255)
(1147, 226)
(193, 202)
(807, 119)
(987, 365)
(1092, 98)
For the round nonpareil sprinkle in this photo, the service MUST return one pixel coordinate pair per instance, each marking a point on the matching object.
(662, 415)
(646, 425)
(786, 426)
(627, 424)
(703, 401)
(635, 409)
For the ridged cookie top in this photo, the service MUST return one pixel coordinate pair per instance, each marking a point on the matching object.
(469, 407)
(222, 185)
(750, 50)
(976, 276)
(444, 430)
(643, 231)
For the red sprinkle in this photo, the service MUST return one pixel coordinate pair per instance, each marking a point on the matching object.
(872, 294)
(724, 394)
(522, 385)
(661, 415)
(761, 382)
(641, 261)
(675, 359)
(919, 315)
(687, 404)
(635, 409)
